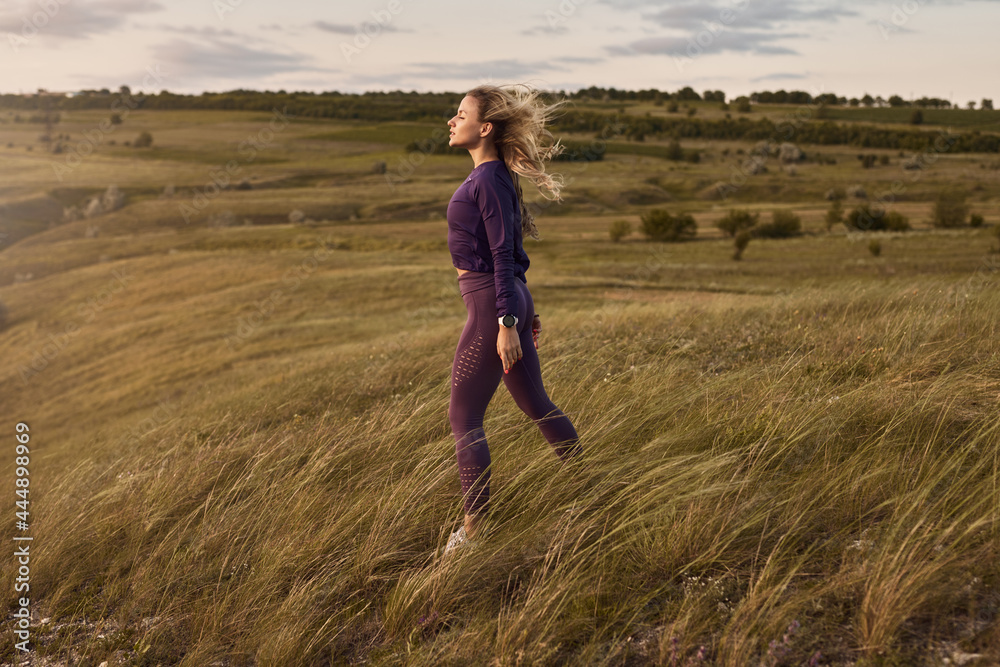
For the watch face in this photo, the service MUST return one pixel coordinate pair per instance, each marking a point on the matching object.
(508, 320)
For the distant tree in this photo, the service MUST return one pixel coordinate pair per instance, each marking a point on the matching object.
(660, 225)
(917, 117)
(619, 229)
(687, 93)
(674, 150)
(950, 209)
(735, 220)
(835, 214)
(897, 101)
(783, 224)
(740, 241)
(868, 100)
(869, 218)
(986, 104)
(970, 105)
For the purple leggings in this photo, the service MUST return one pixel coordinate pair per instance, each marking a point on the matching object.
(475, 375)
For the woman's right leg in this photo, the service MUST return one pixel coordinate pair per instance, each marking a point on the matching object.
(524, 382)
(475, 377)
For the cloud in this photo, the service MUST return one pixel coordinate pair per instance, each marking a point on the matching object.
(692, 16)
(579, 60)
(546, 30)
(694, 45)
(779, 76)
(345, 29)
(339, 28)
(225, 58)
(490, 70)
(741, 27)
(71, 20)
(205, 31)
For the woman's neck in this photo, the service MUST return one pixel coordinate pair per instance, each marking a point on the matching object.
(483, 154)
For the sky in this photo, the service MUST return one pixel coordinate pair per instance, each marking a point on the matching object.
(913, 48)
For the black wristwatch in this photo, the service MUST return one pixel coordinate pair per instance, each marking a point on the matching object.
(508, 321)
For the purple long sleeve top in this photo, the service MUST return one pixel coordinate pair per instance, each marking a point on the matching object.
(484, 231)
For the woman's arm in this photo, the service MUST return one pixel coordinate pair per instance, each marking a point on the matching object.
(498, 219)
(499, 222)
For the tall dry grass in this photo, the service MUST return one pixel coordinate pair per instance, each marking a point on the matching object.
(760, 483)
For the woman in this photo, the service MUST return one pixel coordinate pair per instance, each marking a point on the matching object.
(487, 218)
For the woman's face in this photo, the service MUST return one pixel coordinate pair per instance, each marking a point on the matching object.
(465, 125)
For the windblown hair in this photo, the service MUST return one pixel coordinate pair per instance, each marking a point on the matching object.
(522, 142)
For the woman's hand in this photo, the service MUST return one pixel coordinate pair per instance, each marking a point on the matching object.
(508, 346)
(536, 327)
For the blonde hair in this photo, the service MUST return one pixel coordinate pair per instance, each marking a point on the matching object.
(519, 133)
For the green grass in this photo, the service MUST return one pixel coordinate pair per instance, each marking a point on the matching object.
(984, 120)
(388, 133)
(241, 452)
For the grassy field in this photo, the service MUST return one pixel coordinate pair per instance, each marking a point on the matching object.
(240, 451)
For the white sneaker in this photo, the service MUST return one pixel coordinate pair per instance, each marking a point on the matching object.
(458, 540)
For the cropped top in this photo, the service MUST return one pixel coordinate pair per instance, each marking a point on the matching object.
(484, 231)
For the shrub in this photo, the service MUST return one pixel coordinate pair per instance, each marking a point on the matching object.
(674, 150)
(866, 218)
(735, 220)
(875, 247)
(783, 224)
(741, 241)
(379, 167)
(619, 229)
(917, 117)
(835, 214)
(660, 225)
(976, 220)
(950, 209)
(896, 221)
(579, 152)
(144, 140)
